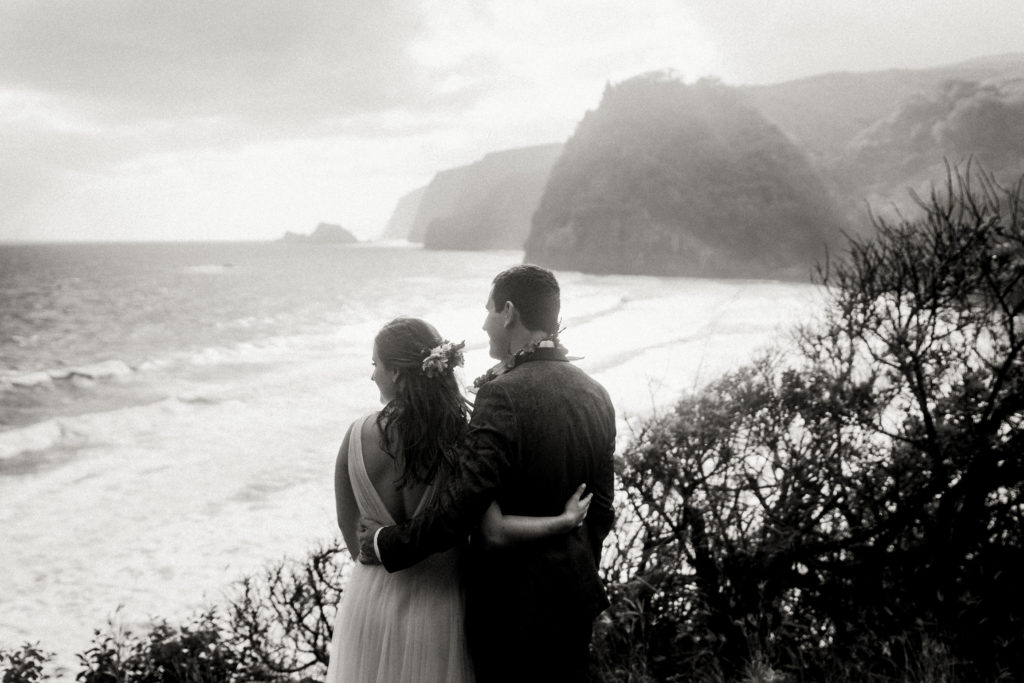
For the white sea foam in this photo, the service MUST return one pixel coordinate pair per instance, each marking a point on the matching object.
(391, 244)
(36, 437)
(41, 378)
(101, 370)
(167, 501)
(274, 349)
(209, 268)
(90, 430)
(29, 379)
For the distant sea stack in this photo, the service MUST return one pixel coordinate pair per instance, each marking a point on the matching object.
(487, 204)
(665, 178)
(325, 233)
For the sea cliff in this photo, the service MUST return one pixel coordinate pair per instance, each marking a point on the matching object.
(674, 179)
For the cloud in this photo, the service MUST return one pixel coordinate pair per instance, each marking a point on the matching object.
(535, 67)
(236, 59)
(235, 114)
(770, 41)
(99, 99)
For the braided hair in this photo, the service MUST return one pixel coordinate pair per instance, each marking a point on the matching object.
(426, 420)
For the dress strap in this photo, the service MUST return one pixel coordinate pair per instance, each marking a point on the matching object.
(428, 495)
(367, 499)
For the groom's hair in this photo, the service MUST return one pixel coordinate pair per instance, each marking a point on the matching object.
(535, 294)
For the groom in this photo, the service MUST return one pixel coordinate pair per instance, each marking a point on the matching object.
(540, 427)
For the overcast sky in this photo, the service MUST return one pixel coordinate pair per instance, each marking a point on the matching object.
(241, 119)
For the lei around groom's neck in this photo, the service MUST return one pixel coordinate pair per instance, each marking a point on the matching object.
(536, 340)
(528, 343)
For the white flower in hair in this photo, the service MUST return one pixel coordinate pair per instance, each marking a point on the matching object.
(442, 357)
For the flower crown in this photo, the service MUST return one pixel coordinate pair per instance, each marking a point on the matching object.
(443, 357)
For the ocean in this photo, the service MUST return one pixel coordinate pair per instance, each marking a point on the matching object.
(170, 413)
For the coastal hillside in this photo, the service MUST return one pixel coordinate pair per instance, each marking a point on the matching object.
(824, 113)
(400, 223)
(954, 122)
(745, 181)
(674, 179)
(484, 205)
(874, 135)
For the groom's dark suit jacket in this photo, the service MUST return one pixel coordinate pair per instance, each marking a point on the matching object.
(537, 432)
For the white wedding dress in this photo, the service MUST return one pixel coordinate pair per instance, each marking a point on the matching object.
(405, 627)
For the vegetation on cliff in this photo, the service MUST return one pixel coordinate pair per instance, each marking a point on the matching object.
(955, 120)
(854, 509)
(873, 135)
(675, 179)
(824, 113)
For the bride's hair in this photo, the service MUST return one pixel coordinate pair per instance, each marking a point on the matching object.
(426, 420)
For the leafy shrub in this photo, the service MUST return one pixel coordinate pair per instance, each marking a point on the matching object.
(196, 652)
(277, 624)
(851, 510)
(24, 665)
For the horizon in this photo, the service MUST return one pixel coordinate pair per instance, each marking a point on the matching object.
(243, 121)
(197, 239)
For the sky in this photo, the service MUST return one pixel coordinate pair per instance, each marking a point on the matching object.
(244, 119)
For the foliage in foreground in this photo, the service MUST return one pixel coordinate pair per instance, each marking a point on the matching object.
(23, 665)
(851, 510)
(274, 626)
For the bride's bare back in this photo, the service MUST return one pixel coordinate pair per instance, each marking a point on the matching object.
(385, 472)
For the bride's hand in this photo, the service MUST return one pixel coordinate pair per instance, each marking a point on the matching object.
(366, 530)
(576, 507)
(491, 526)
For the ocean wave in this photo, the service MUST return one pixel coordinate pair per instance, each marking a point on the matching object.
(604, 307)
(209, 268)
(389, 244)
(319, 342)
(266, 350)
(28, 379)
(622, 357)
(37, 437)
(261, 351)
(94, 371)
(89, 429)
(102, 370)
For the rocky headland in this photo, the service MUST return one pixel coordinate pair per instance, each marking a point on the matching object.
(485, 205)
(707, 179)
(673, 179)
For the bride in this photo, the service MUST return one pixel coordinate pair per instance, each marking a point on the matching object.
(408, 626)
